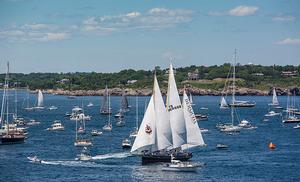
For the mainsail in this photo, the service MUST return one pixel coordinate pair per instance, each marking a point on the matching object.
(105, 107)
(146, 137)
(164, 133)
(40, 101)
(124, 102)
(175, 112)
(274, 100)
(223, 102)
(194, 136)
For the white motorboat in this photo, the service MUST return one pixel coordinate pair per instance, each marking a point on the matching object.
(272, 113)
(126, 143)
(291, 119)
(230, 128)
(90, 104)
(56, 126)
(77, 114)
(96, 133)
(221, 146)
(246, 124)
(84, 155)
(134, 133)
(177, 165)
(34, 159)
(107, 127)
(297, 126)
(51, 108)
(203, 130)
(33, 122)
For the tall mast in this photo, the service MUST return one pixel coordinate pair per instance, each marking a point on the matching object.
(27, 96)
(137, 112)
(233, 83)
(109, 108)
(16, 101)
(7, 86)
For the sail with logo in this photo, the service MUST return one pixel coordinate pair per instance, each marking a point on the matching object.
(166, 129)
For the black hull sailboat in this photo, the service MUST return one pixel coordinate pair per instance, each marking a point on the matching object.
(12, 139)
(165, 157)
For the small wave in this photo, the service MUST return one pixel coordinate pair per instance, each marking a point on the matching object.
(72, 163)
(111, 156)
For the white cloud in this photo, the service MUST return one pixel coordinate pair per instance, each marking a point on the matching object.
(33, 32)
(289, 41)
(243, 10)
(283, 18)
(153, 19)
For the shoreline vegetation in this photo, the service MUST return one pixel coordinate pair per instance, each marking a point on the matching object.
(198, 80)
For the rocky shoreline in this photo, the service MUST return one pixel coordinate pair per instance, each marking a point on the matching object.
(147, 92)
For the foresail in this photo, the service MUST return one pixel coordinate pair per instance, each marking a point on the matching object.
(164, 133)
(223, 103)
(175, 112)
(146, 137)
(194, 136)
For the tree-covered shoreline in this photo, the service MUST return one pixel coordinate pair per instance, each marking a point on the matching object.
(210, 77)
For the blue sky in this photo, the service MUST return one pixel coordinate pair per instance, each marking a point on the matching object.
(110, 35)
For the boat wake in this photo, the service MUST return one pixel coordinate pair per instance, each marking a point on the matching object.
(112, 156)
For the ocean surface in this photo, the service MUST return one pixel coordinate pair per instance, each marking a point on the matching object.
(246, 159)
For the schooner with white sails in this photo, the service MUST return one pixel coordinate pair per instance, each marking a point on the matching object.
(167, 129)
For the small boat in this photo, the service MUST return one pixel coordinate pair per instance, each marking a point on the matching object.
(90, 104)
(52, 108)
(82, 143)
(203, 130)
(33, 122)
(67, 114)
(201, 117)
(221, 146)
(297, 126)
(134, 133)
(56, 126)
(126, 143)
(246, 124)
(34, 159)
(107, 127)
(272, 146)
(120, 123)
(84, 155)
(120, 114)
(230, 128)
(177, 165)
(272, 113)
(96, 133)
(203, 108)
(265, 119)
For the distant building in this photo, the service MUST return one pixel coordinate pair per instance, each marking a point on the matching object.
(193, 75)
(257, 74)
(64, 81)
(131, 81)
(289, 73)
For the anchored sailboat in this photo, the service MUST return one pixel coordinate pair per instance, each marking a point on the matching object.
(163, 131)
(274, 99)
(136, 129)
(11, 136)
(108, 126)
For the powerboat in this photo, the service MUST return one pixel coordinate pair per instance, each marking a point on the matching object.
(33, 122)
(297, 126)
(230, 128)
(120, 114)
(82, 143)
(53, 108)
(90, 104)
(246, 124)
(203, 130)
(242, 104)
(34, 159)
(107, 127)
(56, 126)
(84, 155)
(96, 133)
(177, 165)
(134, 133)
(272, 113)
(221, 146)
(77, 114)
(126, 143)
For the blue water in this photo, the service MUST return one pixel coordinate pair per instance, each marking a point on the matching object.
(247, 158)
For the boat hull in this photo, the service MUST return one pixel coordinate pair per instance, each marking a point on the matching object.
(12, 140)
(154, 158)
(242, 105)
